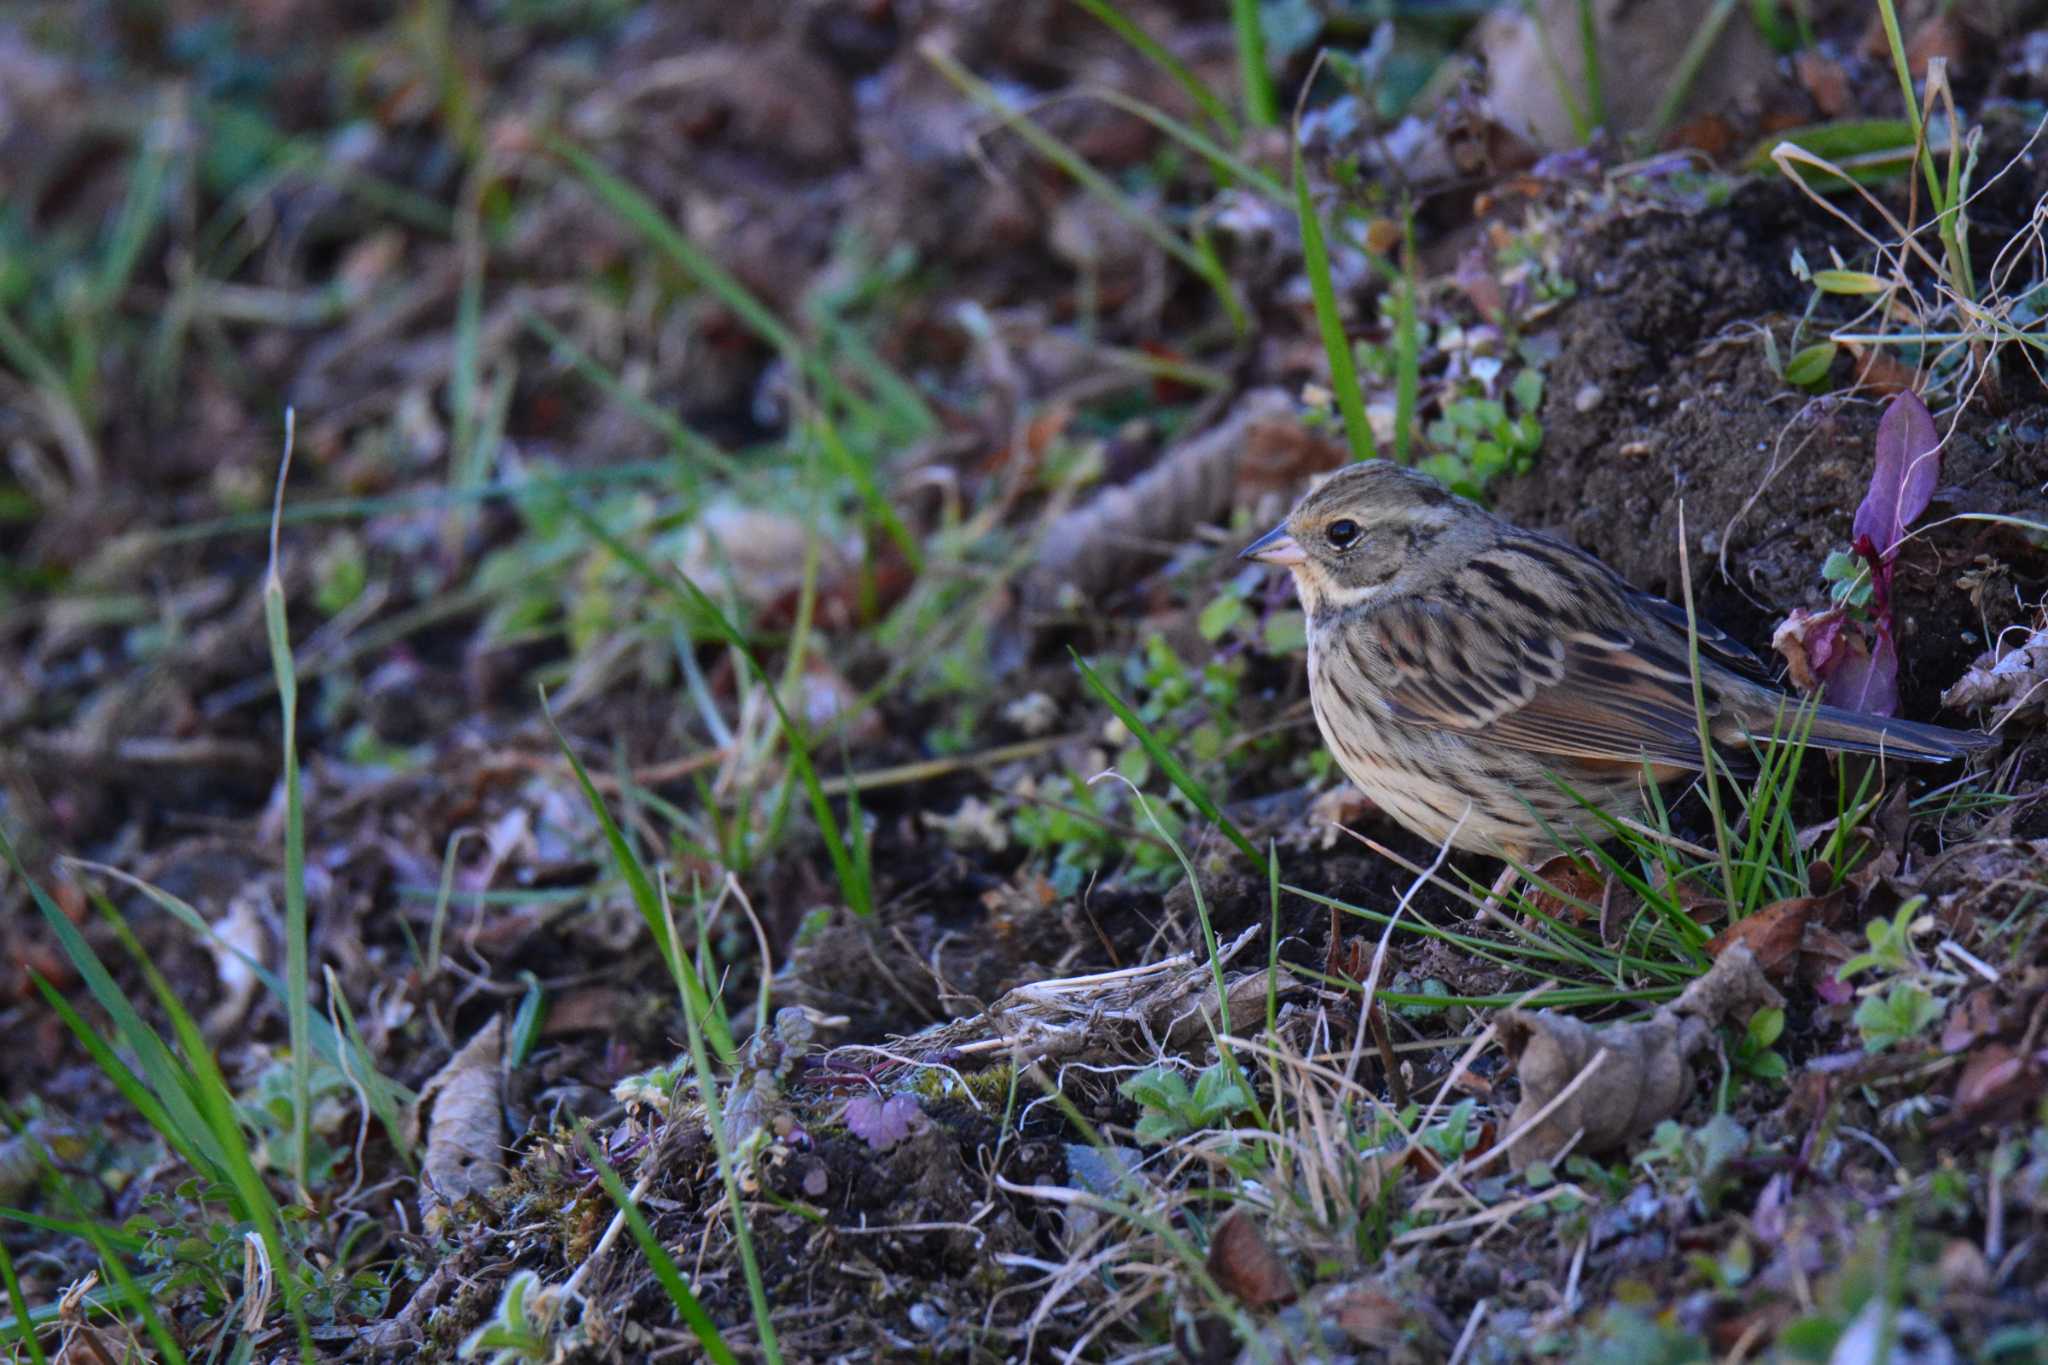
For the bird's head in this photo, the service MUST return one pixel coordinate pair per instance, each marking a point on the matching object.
(1360, 534)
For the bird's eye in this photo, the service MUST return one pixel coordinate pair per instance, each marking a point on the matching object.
(1342, 533)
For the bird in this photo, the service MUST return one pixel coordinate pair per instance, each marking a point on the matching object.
(1492, 687)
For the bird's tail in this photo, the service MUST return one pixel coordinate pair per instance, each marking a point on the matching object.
(1855, 733)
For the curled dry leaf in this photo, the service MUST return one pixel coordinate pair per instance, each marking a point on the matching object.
(1624, 1079)
(1244, 1263)
(464, 1139)
(2010, 680)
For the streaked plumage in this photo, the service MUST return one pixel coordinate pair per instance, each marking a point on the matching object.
(1456, 662)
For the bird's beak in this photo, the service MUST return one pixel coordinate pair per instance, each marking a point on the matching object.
(1275, 547)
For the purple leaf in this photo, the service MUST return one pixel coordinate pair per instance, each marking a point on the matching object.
(1863, 676)
(882, 1123)
(1902, 483)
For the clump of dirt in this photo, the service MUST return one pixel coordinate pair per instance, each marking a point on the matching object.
(1662, 407)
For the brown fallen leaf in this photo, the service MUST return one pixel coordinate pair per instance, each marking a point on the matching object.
(1605, 1086)
(2010, 680)
(1774, 934)
(1244, 1263)
(1575, 888)
(1996, 1082)
(465, 1137)
(1878, 371)
(1976, 1017)
(1825, 82)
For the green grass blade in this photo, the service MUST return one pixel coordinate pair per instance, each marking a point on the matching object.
(638, 212)
(1261, 101)
(687, 1305)
(20, 1327)
(1694, 55)
(178, 1133)
(1168, 764)
(142, 208)
(728, 1174)
(127, 1289)
(689, 446)
(1315, 253)
(387, 1097)
(1153, 51)
(696, 997)
(857, 890)
(1204, 265)
(1228, 166)
(1589, 59)
(216, 1102)
(862, 476)
(181, 1124)
(297, 973)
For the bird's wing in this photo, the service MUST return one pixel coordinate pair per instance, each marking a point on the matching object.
(1546, 683)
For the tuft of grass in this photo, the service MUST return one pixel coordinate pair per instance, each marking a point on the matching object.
(849, 850)
(179, 1091)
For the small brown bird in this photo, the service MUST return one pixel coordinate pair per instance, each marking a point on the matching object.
(1456, 663)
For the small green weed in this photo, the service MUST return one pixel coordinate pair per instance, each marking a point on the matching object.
(1172, 1109)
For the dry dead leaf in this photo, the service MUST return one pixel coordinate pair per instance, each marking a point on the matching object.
(465, 1137)
(1996, 1082)
(1774, 934)
(1976, 1017)
(1825, 82)
(2010, 679)
(1608, 1085)
(1244, 1263)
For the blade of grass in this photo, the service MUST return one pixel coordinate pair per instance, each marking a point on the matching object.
(1228, 166)
(858, 892)
(862, 476)
(298, 1008)
(688, 1307)
(1261, 101)
(728, 1170)
(1589, 57)
(1155, 52)
(638, 212)
(697, 1001)
(1699, 704)
(1167, 763)
(20, 1328)
(1204, 265)
(1690, 60)
(1315, 254)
